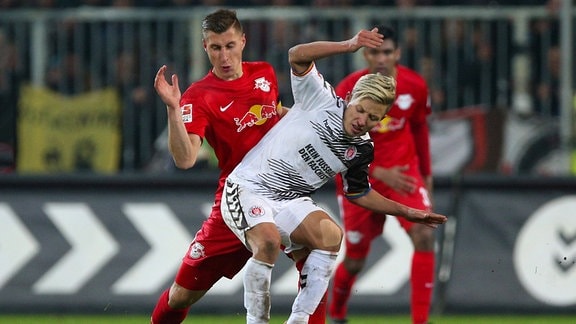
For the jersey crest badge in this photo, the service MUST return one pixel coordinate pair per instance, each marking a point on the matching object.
(404, 101)
(197, 251)
(350, 153)
(262, 84)
(186, 113)
(256, 211)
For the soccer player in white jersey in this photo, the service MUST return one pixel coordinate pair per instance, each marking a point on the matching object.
(266, 200)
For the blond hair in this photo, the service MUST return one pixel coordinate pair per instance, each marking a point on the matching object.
(376, 87)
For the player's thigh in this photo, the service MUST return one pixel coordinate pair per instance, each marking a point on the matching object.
(214, 253)
(243, 211)
(361, 226)
(308, 225)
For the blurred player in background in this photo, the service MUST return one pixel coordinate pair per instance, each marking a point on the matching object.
(232, 107)
(401, 171)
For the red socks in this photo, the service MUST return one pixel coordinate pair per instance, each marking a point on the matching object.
(319, 315)
(164, 314)
(343, 282)
(422, 282)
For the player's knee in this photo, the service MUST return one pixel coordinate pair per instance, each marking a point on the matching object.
(354, 266)
(422, 237)
(180, 297)
(331, 235)
(264, 240)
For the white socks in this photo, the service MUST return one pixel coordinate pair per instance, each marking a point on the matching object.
(257, 277)
(314, 279)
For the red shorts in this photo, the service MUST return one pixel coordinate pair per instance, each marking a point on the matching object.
(362, 225)
(214, 253)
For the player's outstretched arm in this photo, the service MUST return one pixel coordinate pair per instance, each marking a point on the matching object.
(302, 55)
(382, 205)
(184, 147)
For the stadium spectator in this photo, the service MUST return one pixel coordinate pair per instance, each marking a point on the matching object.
(401, 171)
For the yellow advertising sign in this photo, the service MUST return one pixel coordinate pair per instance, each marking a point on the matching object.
(58, 134)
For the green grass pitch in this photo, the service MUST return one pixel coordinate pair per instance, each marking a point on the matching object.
(279, 319)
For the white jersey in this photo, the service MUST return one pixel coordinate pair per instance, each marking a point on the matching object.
(307, 147)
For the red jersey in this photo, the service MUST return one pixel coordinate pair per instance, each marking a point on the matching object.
(402, 135)
(232, 115)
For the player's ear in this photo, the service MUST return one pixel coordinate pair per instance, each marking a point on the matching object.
(348, 96)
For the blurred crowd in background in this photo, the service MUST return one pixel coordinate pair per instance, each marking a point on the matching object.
(244, 3)
(470, 65)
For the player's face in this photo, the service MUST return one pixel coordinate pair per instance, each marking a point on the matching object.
(383, 59)
(362, 115)
(225, 53)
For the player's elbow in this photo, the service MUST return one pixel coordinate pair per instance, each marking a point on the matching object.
(184, 164)
(292, 54)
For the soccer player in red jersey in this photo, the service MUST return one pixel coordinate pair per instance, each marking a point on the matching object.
(232, 107)
(401, 171)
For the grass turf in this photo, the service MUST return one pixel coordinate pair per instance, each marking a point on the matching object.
(278, 319)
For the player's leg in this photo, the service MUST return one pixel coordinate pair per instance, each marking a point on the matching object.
(312, 227)
(422, 272)
(423, 260)
(174, 303)
(214, 253)
(251, 218)
(361, 226)
(264, 240)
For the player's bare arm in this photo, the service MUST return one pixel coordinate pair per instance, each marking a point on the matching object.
(184, 147)
(382, 205)
(302, 55)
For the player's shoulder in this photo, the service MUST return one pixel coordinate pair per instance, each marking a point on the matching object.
(257, 66)
(411, 76)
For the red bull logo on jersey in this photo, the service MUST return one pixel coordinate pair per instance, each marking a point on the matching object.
(186, 113)
(262, 84)
(197, 251)
(389, 124)
(257, 115)
(404, 101)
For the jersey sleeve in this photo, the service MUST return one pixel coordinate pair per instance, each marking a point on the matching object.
(310, 89)
(355, 179)
(194, 107)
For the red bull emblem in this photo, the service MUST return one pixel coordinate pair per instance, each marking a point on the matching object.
(257, 115)
(248, 120)
(389, 124)
(262, 84)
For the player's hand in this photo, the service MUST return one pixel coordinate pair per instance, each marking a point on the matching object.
(396, 178)
(366, 38)
(169, 93)
(426, 218)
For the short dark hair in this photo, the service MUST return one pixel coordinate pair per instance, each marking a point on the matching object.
(388, 33)
(220, 21)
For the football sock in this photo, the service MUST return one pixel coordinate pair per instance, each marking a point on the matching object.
(319, 315)
(422, 281)
(314, 279)
(342, 287)
(257, 277)
(164, 314)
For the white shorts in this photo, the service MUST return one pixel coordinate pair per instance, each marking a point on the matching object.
(242, 209)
